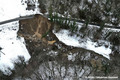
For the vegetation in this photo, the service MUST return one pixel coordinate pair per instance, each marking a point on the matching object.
(18, 66)
(44, 35)
(96, 12)
(63, 22)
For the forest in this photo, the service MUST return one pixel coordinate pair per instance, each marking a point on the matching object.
(60, 40)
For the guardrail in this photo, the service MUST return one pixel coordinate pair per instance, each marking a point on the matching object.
(16, 19)
(31, 16)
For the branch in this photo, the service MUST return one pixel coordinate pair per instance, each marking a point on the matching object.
(2, 52)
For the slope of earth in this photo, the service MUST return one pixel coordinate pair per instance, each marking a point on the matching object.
(56, 57)
(58, 60)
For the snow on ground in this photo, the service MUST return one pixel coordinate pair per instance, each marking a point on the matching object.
(72, 56)
(64, 36)
(12, 46)
(10, 9)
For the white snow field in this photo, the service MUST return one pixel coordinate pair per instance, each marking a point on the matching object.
(12, 46)
(75, 41)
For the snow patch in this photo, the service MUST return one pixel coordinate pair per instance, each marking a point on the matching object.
(64, 36)
(72, 56)
(11, 45)
(10, 9)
